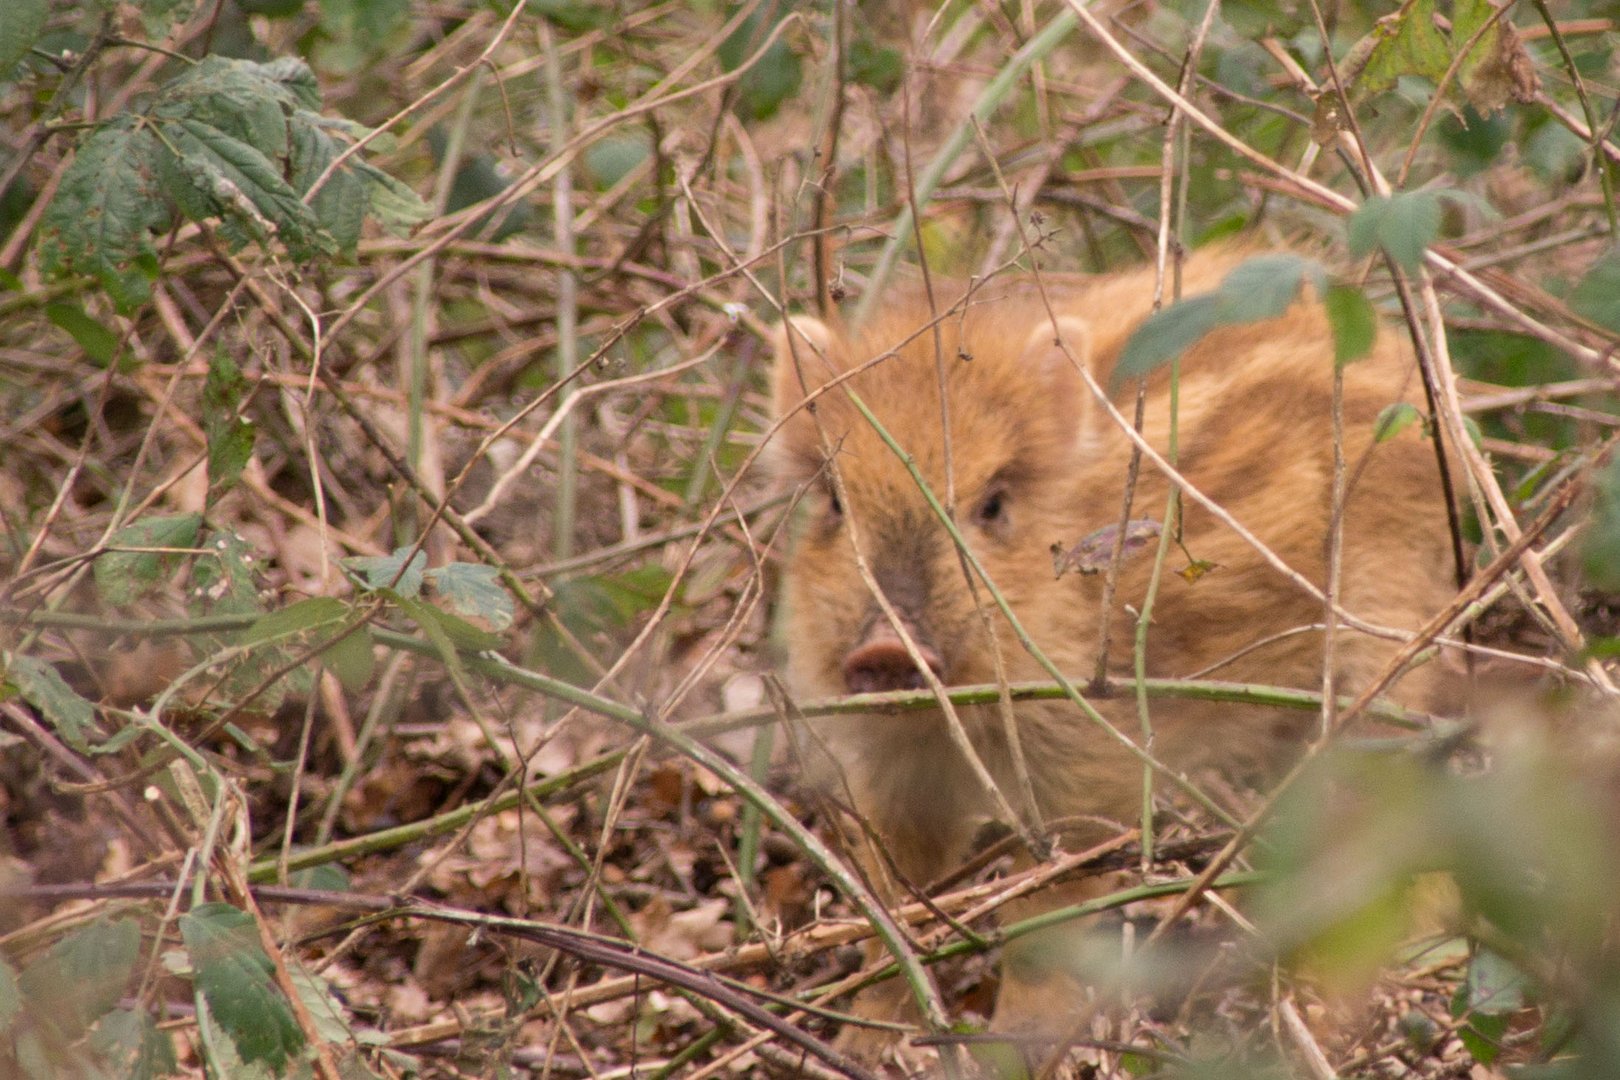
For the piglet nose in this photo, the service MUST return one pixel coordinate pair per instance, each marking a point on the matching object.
(880, 661)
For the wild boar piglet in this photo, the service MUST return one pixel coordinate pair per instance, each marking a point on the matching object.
(986, 399)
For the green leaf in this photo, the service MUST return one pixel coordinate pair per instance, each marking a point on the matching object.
(390, 571)
(395, 206)
(1393, 419)
(340, 204)
(331, 1023)
(1597, 296)
(351, 658)
(611, 159)
(223, 579)
(236, 978)
(1404, 225)
(132, 1046)
(20, 27)
(575, 16)
(292, 75)
(775, 77)
(1406, 43)
(1264, 287)
(1354, 323)
(1495, 986)
(82, 976)
(308, 614)
(210, 174)
(876, 66)
(479, 177)
(1600, 547)
(123, 575)
(99, 343)
(229, 434)
(354, 32)
(449, 632)
(475, 592)
(39, 684)
(108, 204)
(1167, 334)
(234, 98)
(1410, 226)
(1481, 1034)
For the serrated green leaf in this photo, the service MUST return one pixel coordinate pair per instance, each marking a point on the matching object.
(1361, 228)
(99, 343)
(390, 571)
(20, 27)
(331, 1022)
(1410, 226)
(82, 977)
(223, 579)
(1406, 43)
(292, 74)
(351, 659)
(123, 575)
(228, 432)
(1393, 419)
(448, 632)
(234, 98)
(1263, 287)
(1167, 334)
(104, 212)
(1404, 225)
(1354, 323)
(340, 204)
(237, 979)
(395, 206)
(475, 592)
(214, 175)
(132, 1046)
(308, 614)
(39, 684)
(1597, 295)
(220, 1055)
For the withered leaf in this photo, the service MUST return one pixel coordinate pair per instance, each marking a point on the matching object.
(1196, 569)
(1093, 552)
(1506, 74)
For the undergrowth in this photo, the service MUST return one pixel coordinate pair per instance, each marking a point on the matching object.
(387, 581)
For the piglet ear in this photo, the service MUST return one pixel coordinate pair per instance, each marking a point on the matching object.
(808, 354)
(805, 359)
(1053, 356)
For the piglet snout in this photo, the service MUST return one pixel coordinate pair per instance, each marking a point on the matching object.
(880, 661)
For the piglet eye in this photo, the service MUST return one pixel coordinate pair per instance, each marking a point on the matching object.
(835, 509)
(992, 509)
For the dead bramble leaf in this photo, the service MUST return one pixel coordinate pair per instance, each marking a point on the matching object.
(1093, 552)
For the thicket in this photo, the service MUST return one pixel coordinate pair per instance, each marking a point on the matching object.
(386, 578)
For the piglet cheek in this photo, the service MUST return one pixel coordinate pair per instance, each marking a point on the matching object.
(880, 662)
